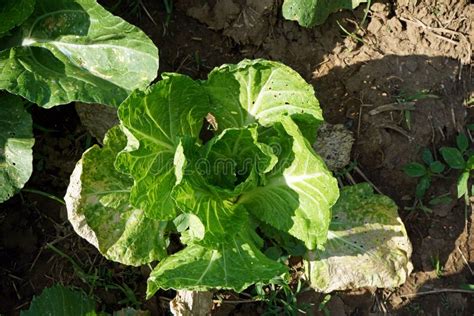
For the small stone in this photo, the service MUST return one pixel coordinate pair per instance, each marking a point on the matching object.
(334, 145)
(379, 8)
(374, 26)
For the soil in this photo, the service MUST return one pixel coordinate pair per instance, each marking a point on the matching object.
(414, 53)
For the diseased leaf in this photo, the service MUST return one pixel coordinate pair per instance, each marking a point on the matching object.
(453, 157)
(13, 13)
(75, 50)
(298, 195)
(309, 13)
(260, 91)
(98, 207)
(155, 120)
(16, 142)
(367, 244)
(61, 301)
(234, 265)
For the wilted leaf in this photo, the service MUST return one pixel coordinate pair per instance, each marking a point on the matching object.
(367, 244)
(98, 207)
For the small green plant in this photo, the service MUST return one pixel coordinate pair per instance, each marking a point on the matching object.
(323, 305)
(281, 298)
(407, 97)
(438, 268)
(460, 158)
(424, 172)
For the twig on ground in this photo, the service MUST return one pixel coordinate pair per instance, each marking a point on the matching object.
(393, 107)
(438, 291)
(367, 179)
(350, 178)
(147, 13)
(465, 261)
(398, 129)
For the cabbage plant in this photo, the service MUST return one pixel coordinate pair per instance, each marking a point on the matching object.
(55, 52)
(309, 13)
(222, 164)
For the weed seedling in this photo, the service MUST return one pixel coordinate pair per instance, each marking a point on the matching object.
(437, 266)
(425, 172)
(281, 299)
(404, 97)
(322, 306)
(460, 158)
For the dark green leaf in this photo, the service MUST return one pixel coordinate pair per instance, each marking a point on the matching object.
(470, 127)
(61, 301)
(441, 200)
(414, 169)
(469, 287)
(462, 142)
(273, 253)
(13, 13)
(470, 163)
(453, 157)
(422, 186)
(437, 167)
(427, 156)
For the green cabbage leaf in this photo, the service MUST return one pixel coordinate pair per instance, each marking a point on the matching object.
(309, 13)
(13, 13)
(74, 50)
(16, 142)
